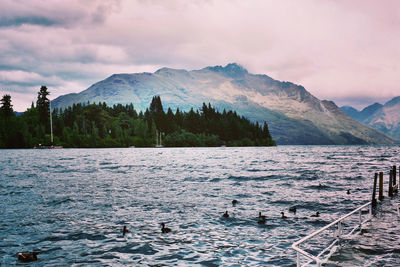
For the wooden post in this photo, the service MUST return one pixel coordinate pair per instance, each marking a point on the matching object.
(374, 191)
(395, 179)
(390, 193)
(395, 183)
(380, 186)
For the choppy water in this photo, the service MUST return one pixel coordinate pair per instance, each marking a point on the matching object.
(71, 204)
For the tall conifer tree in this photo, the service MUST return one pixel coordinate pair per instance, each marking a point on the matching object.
(6, 107)
(43, 105)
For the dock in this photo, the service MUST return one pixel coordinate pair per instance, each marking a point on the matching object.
(366, 228)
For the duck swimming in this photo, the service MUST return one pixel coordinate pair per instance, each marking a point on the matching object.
(226, 215)
(125, 230)
(27, 256)
(348, 191)
(293, 209)
(316, 214)
(261, 218)
(164, 229)
(283, 215)
(234, 202)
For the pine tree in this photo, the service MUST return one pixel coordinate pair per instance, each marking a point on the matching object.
(6, 107)
(170, 122)
(156, 106)
(43, 105)
(157, 114)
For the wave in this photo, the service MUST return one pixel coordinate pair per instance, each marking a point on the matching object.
(254, 178)
(59, 201)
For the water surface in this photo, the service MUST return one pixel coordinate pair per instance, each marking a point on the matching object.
(71, 204)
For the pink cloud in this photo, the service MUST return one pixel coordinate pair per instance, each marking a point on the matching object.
(338, 50)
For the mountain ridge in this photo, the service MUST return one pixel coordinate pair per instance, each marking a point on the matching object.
(385, 118)
(293, 114)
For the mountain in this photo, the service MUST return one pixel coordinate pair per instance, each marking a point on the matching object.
(363, 114)
(352, 112)
(294, 116)
(385, 118)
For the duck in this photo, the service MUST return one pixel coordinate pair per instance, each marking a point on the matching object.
(348, 191)
(125, 230)
(27, 256)
(316, 214)
(226, 215)
(293, 209)
(261, 218)
(234, 202)
(283, 215)
(164, 229)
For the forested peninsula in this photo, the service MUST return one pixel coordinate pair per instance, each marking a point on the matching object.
(93, 125)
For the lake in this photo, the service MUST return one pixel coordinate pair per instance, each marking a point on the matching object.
(71, 204)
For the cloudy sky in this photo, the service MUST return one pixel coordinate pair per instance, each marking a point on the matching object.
(347, 51)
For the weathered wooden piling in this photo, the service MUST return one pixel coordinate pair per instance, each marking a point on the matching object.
(390, 192)
(373, 203)
(395, 183)
(380, 186)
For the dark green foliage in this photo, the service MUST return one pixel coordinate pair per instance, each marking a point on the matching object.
(43, 105)
(187, 139)
(157, 114)
(6, 107)
(98, 125)
(13, 130)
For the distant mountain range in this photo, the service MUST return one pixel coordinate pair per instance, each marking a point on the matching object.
(385, 118)
(294, 116)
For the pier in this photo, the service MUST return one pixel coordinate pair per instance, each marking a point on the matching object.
(351, 225)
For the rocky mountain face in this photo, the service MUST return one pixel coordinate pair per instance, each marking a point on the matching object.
(385, 118)
(294, 116)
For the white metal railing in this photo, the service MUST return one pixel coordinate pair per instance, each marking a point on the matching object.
(339, 233)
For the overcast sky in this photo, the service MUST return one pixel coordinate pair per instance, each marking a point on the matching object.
(341, 50)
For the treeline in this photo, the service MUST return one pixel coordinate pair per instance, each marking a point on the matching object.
(99, 125)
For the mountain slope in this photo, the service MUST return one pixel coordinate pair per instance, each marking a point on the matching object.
(385, 118)
(294, 115)
(352, 112)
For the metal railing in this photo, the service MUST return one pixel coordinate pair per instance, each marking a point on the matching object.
(339, 234)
